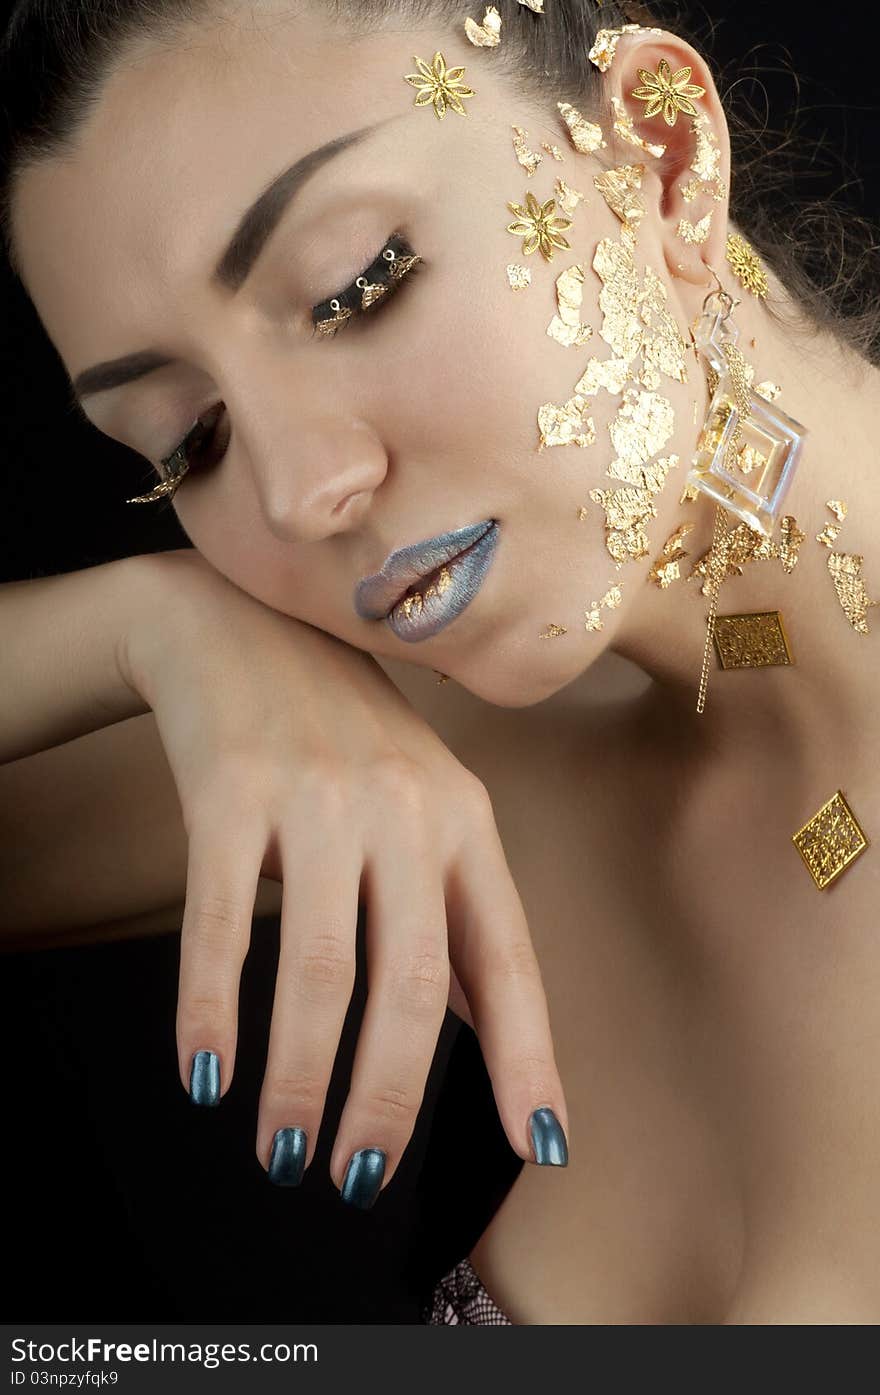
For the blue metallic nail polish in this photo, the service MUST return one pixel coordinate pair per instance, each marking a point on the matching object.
(288, 1159)
(204, 1078)
(363, 1177)
(548, 1140)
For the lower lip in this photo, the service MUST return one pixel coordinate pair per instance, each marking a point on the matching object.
(439, 608)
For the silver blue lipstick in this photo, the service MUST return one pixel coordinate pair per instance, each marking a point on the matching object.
(422, 588)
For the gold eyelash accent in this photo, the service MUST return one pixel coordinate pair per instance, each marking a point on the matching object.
(167, 488)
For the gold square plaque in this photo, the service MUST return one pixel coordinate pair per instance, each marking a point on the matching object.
(754, 640)
(830, 840)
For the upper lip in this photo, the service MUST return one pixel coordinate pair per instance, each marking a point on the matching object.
(376, 595)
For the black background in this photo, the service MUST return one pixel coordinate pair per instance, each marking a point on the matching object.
(122, 1201)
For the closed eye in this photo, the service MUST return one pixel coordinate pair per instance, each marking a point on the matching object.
(395, 264)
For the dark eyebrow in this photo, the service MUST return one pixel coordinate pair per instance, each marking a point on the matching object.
(232, 270)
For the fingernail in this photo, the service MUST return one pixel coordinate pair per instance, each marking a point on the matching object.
(548, 1140)
(363, 1177)
(288, 1157)
(204, 1078)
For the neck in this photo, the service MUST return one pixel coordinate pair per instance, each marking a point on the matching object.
(792, 710)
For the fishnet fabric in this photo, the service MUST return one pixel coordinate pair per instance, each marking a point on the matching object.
(460, 1297)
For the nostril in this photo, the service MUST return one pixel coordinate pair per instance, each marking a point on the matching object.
(344, 504)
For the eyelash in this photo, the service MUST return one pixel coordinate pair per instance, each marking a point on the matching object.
(184, 456)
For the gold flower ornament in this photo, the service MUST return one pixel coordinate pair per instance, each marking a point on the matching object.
(539, 225)
(439, 86)
(667, 92)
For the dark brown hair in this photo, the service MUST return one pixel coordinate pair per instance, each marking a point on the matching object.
(56, 55)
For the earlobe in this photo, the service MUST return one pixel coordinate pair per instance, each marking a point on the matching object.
(666, 89)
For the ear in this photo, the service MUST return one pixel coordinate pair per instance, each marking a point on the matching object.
(666, 177)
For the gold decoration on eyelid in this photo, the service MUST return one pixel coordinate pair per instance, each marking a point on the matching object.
(586, 136)
(439, 86)
(529, 159)
(830, 840)
(487, 34)
(165, 490)
(667, 92)
(540, 227)
(624, 127)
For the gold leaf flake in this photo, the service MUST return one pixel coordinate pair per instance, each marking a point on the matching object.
(529, 159)
(689, 494)
(837, 507)
(592, 618)
(769, 391)
(828, 534)
(602, 52)
(624, 127)
(554, 151)
(624, 508)
(663, 345)
(519, 276)
(695, 233)
(845, 569)
(620, 189)
(565, 425)
(487, 34)
(566, 327)
(696, 413)
(734, 548)
(583, 512)
(609, 373)
(569, 198)
(585, 136)
(618, 298)
(441, 677)
(553, 631)
(569, 336)
(536, 6)
(665, 568)
(749, 458)
(612, 598)
(790, 543)
(706, 163)
(641, 428)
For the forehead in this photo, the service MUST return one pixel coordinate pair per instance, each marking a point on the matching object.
(184, 137)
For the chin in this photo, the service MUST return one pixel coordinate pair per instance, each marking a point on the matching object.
(513, 684)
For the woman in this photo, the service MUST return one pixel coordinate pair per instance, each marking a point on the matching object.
(711, 985)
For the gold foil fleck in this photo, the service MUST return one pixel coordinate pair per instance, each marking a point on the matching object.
(585, 136)
(583, 512)
(734, 548)
(706, 164)
(565, 425)
(749, 458)
(609, 373)
(553, 632)
(845, 569)
(641, 428)
(612, 598)
(569, 198)
(441, 677)
(519, 276)
(769, 391)
(665, 567)
(828, 534)
(536, 6)
(540, 227)
(602, 52)
(620, 189)
(554, 151)
(837, 507)
(592, 618)
(689, 494)
(696, 413)
(662, 344)
(830, 840)
(487, 34)
(790, 541)
(618, 298)
(566, 327)
(624, 127)
(756, 640)
(444, 580)
(529, 159)
(695, 233)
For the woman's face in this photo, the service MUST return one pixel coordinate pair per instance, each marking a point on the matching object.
(412, 421)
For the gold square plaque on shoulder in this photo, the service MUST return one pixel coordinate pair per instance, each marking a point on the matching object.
(755, 640)
(830, 840)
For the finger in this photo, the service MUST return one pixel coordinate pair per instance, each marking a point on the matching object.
(221, 885)
(313, 988)
(492, 953)
(408, 974)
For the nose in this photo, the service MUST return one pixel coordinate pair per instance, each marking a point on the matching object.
(320, 478)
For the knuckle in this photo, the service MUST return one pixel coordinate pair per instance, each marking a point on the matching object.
(539, 1072)
(517, 962)
(301, 1088)
(394, 1104)
(421, 981)
(325, 963)
(401, 781)
(216, 921)
(206, 1007)
(475, 799)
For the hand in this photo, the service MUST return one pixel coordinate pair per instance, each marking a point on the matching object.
(296, 758)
